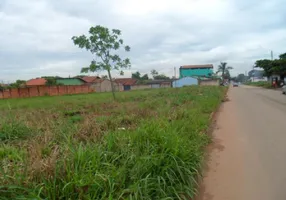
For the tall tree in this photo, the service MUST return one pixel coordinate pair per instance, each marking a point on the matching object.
(136, 75)
(224, 69)
(51, 81)
(266, 65)
(17, 84)
(154, 73)
(145, 77)
(161, 77)
(103, 44)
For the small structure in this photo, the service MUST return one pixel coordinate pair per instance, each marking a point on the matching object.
(196, 70)
(258, 75)
(126, 82)
(70, 81)
(36, 82)
(101, 85)
(160, 83)
(186, 81)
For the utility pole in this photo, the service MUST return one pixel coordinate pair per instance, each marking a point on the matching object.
(271, 55)
(175, 72)
(175, 76)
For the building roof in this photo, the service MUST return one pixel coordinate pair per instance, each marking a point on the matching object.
(126, 81)
(91, 79)
(197, 66)
(70, 81)
(36, 82)
(159, 81)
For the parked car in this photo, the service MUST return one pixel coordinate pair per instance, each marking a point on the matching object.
(235, 84)
(284, 89)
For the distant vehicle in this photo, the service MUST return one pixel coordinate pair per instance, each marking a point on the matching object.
(284, 89)
(235, 84)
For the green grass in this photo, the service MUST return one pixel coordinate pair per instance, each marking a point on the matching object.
(264, 84)
(147, 145)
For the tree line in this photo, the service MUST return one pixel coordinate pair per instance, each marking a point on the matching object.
(273, 67)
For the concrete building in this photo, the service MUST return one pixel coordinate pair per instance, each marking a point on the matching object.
(196, 70)
(102, 85)
(185, 81)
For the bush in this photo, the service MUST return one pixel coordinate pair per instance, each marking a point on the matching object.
(12, 130)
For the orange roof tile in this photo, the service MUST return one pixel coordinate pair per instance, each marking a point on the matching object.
(126, 81)
(90, 79)
(36, 82)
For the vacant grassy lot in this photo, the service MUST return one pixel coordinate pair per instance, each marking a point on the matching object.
(146, 145)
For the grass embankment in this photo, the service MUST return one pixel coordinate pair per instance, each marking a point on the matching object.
(147, 145)
(264, 84)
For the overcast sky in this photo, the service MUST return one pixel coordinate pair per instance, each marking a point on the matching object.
(35, 35)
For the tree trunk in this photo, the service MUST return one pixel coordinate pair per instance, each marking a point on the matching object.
(223, 74)
(111, 82)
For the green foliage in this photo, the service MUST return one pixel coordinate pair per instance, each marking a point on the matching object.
(157, 76)
(13, 129)
(138, 77)
(146, 145)
(224, 69)
(103, 43)
(161, 77)
(17, 84)
(51, 82)
(154, 72)
(76, 118)
(266, 65)
(277, 66)
(264, 84)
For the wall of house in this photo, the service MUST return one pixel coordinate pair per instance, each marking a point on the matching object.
(105, 86)
(140, 87)
(186, 81)
(195, 72)
(209, 82)
(44, 91)
(165, 85)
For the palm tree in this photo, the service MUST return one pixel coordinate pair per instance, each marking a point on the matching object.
(224, 69)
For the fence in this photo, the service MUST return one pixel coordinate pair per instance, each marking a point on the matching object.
(44, 91)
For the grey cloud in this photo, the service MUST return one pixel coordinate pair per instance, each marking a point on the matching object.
(36, 35)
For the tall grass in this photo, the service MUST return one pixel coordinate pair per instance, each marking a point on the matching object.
(148, 145)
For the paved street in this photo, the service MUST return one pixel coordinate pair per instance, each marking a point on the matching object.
(247, 160)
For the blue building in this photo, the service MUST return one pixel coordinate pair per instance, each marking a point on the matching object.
(186, 81)
(196, 70)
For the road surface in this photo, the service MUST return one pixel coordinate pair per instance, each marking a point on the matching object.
(247, 159)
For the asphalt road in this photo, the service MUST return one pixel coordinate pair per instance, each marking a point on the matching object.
(247, 159)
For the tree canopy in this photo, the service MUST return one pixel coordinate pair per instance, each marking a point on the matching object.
(103, 44)
(138, 76)
(17, 84)
(276, 66)
(157, 76)
(224, 69)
